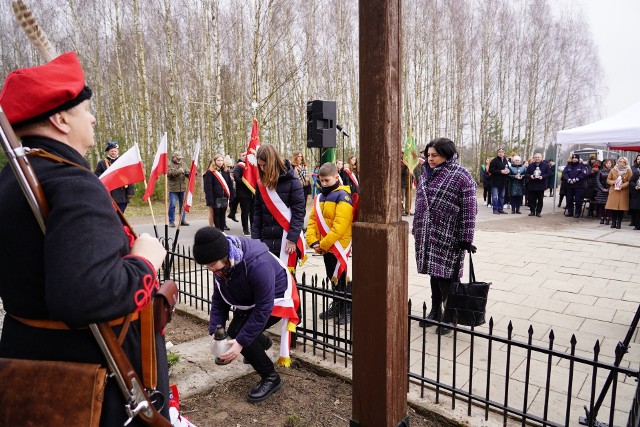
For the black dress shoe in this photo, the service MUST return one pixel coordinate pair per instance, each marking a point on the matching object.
(538, 215)
(185, 223)
(265, 388)
(226, 228)
(232, 218)
(532, 214)
(443, 330)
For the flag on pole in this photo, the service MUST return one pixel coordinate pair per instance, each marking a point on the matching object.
(159, 167)
(410, 153)
(192, 178)
(126, 170)
(250, 175)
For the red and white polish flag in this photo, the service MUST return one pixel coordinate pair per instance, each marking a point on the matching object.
(159, 167)
(126, 170)
(192, 178)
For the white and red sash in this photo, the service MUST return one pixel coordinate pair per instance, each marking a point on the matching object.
(242, 165)
(341, 253)
(282, 214)
(222, 182)
(353, 178)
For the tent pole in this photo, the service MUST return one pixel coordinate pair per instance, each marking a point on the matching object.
(555, 178)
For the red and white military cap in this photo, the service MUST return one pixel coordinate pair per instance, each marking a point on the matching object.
(30, 95)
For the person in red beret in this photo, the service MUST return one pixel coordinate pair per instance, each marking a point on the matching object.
(87, 268)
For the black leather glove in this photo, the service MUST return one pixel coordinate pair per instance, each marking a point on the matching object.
(467, 246)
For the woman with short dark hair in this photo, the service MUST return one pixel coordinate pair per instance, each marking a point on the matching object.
(444, 221)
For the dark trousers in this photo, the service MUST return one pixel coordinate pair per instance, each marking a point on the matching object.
(233, 206)
(330, 262)
(246, 216)
(516, 202)
(486, 193)
(219, 218)
(536, 199)
(440, 289)
(574, 200)
(603, 213)
(255, 353)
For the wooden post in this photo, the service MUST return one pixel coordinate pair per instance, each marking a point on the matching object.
(380, 238)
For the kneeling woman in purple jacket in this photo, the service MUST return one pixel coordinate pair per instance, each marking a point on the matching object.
(258, 288)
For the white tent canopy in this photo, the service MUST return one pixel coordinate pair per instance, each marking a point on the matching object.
(620, 131)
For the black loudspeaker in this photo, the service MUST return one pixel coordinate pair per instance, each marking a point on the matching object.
(321, 124)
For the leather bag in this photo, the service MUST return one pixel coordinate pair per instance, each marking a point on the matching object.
(220, 202)
(49, 393)
(164, 304)
(467, 302)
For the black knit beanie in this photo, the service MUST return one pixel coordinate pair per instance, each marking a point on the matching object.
(209, 245)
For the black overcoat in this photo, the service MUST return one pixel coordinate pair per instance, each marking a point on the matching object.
(79, 273)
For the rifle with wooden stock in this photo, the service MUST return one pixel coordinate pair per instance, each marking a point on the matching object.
(136, 398)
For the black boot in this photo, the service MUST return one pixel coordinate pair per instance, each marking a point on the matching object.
(613, 222)
(265, 388)
(433, 315)
(602, 220)
(332, 311)
(345, 315)
(606, 221)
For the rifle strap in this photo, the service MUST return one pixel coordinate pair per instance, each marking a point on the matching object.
(125, 328)
(148, 348)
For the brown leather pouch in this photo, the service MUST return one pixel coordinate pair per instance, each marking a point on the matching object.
(50, 393)
(164, 303)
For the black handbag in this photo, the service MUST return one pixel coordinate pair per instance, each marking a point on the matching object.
(220, 202)
(467, 302)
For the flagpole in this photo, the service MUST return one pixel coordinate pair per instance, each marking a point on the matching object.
(409, 175)
(153, 217)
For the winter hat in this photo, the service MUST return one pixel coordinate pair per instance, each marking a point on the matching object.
(575, 156)
(110, 145)
(209, 245)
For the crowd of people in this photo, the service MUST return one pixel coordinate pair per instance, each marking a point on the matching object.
(594, 189)
(89, 267)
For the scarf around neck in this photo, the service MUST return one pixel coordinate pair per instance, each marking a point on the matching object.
(621, 171)
(236, 255)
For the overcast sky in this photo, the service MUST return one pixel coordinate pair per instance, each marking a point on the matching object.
(615, 25)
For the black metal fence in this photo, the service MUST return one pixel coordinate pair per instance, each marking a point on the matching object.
(521, 382)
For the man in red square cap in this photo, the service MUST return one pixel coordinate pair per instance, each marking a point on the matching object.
(87, 268)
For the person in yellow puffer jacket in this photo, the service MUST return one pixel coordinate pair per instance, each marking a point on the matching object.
(329, 234)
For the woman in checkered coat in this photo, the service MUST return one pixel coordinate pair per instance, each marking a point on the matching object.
(444, 221)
